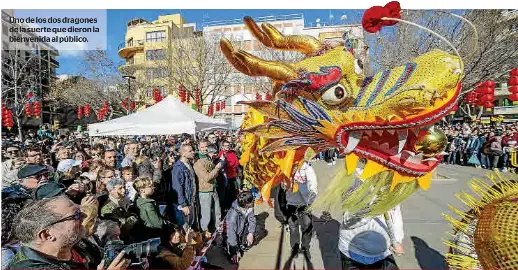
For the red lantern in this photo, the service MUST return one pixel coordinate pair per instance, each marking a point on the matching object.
(513, 80)
(188, 96)
(268, 96)
(485, 90)
(223, 104)
(37, 109)
(218, 106)
(79, 112)
(28, 109)
(211, 110)
(197, 98)
(30, 96)
(513, 72)
(133, 105)
(513, 97)
(86, 110)
(258, 96)
(9, 120)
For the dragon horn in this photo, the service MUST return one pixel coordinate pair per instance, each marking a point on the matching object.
(254, 66)
(272, 38)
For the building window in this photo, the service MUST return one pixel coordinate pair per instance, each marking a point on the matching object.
(162, 89)
(156, 73)
(156, 36)
(152, 55)
(130, 42)
(5, 29)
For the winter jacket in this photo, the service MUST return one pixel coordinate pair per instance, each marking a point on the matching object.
(206, 173)
(28, 258)
(232, 163)
(174, 259)
(183, 184)
(149, 213)
(239, 222)
(473, 145)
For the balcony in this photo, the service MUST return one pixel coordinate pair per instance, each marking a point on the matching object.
(505, 110)
(129, 49)
(54, 61)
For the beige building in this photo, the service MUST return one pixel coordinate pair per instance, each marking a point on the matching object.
(146, 49)
(242, 87)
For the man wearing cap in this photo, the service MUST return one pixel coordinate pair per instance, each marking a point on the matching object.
(31, 176)
(207, 173)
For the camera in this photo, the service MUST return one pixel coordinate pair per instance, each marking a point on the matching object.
(134, 252)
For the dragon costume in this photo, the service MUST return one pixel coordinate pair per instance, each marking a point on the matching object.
(325, 101)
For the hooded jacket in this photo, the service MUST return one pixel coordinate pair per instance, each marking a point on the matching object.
(239, 222)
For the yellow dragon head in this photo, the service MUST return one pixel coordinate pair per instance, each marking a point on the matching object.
(324, 101)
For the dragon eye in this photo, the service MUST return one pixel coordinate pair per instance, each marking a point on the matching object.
(335, 95)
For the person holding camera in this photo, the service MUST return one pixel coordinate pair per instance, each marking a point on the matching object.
(241, 225)
(177, 250)
(207, 171)
(48, 229)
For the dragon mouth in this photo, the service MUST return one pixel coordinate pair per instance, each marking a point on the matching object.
(395, 149)
(393, 144)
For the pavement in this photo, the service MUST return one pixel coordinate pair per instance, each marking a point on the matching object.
(424, 226)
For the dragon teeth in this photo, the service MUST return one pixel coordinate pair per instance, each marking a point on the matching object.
(391, 131)
(354, 140)
(402, 136)
(379, 132)
(430, 161)
(368, 132)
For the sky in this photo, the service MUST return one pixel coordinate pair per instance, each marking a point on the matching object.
(117, 19)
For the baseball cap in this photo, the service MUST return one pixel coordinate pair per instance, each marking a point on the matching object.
(49, 190)
(30, 170)
(67, 164)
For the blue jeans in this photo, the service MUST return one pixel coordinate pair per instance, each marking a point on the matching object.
(484, 161)
(209, 211)
(506, 161)
(452, 159)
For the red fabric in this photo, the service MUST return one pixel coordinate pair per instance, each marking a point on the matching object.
(371, 20)
(232, 163)
(394, 10)
(77, 258)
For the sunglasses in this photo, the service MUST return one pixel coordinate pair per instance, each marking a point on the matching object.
(77, 215)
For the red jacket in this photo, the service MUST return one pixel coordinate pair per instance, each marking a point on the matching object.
(232, 163)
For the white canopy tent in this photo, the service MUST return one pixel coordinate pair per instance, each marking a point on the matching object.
(168, 117)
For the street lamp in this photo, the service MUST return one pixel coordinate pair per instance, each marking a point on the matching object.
(129, 77)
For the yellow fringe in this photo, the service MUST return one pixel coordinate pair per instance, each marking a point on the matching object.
(486, 194)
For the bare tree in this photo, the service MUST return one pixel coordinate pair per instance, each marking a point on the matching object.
(488, 58)
(21, 76)
(98, 81)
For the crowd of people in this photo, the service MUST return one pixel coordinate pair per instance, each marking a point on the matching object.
(487, 146)
(73, 201)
